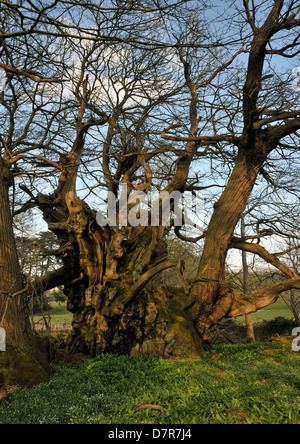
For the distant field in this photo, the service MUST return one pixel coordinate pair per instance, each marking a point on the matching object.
(59, 314)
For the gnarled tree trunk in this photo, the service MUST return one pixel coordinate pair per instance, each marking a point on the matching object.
(114, 311)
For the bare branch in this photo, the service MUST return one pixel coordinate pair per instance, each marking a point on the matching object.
(30, 74)
(242, 304)
(272, 259)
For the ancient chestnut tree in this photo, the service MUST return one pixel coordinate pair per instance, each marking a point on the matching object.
(149, 110)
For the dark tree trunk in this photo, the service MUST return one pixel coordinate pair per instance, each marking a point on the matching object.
(208, 302)
(22, 363)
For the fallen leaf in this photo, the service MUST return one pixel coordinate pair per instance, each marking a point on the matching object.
(237, 412)
(149, 406)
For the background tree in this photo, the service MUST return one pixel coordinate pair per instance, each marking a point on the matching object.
(292, 298)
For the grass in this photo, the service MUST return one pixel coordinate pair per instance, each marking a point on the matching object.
(255, 384)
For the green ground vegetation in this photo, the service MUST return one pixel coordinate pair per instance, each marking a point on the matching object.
(255, 384)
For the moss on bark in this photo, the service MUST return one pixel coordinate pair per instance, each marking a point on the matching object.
(20, 366)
